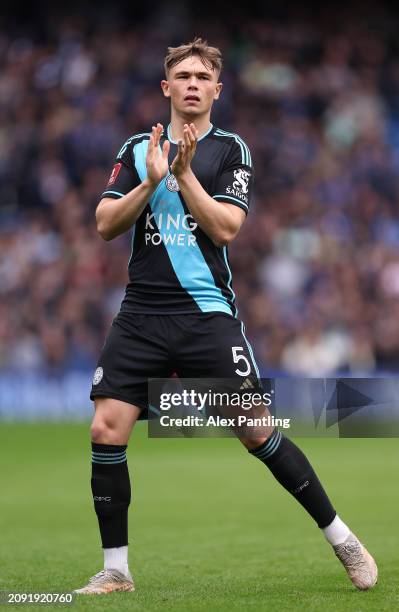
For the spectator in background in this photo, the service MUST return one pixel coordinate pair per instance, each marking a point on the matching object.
(318, 258)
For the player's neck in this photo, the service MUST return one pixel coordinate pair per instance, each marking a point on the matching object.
(177, 122)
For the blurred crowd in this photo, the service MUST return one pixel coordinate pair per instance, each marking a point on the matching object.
(316, 264)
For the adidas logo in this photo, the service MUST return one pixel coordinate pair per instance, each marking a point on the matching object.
(247, 384)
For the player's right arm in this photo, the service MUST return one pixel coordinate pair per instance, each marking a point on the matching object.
(116, 216)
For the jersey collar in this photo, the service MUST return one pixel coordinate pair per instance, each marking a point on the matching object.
(202, 137)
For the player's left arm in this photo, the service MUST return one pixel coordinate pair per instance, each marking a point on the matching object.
(220, 220)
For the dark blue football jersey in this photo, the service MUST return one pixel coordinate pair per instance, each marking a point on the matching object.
(174, 268)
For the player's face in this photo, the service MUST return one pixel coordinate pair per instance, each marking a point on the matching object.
(192, 87)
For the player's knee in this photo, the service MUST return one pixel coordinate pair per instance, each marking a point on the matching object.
(103, 432)
(97, 432)
(251, 443)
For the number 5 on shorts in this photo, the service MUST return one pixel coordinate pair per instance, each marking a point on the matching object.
(237, 358)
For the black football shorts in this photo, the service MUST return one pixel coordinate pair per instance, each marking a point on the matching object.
(140, 346)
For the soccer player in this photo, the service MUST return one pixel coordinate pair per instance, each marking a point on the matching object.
(185, 191)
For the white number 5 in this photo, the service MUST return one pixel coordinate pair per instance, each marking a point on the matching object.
(236, 358)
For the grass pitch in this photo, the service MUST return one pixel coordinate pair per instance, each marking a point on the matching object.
(209, 528)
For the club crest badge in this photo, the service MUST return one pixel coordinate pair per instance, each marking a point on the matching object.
(171, 183)
(98, 375)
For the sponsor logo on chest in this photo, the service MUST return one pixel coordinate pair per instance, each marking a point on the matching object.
(170, 229)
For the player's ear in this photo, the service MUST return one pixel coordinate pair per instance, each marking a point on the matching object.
(218, 89)
(165, 88)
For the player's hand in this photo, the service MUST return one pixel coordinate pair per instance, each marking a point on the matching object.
(185, 150)
(157, 161)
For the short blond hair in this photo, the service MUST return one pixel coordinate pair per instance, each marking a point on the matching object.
(211, 57)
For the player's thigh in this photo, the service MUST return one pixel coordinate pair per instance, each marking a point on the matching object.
(216, 347)
(219, 349)
(135, 350)
(113, 421)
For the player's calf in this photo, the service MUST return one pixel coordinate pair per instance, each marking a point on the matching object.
(293, 471)
(110, 485)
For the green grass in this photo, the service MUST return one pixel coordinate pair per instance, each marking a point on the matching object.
(209, 528)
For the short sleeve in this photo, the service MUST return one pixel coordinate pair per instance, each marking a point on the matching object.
(124, 176)
(235, 182)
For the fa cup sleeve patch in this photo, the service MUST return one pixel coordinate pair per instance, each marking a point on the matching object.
(114, 174)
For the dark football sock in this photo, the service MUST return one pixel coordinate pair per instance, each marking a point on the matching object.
(110, 485)
(293, 471)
